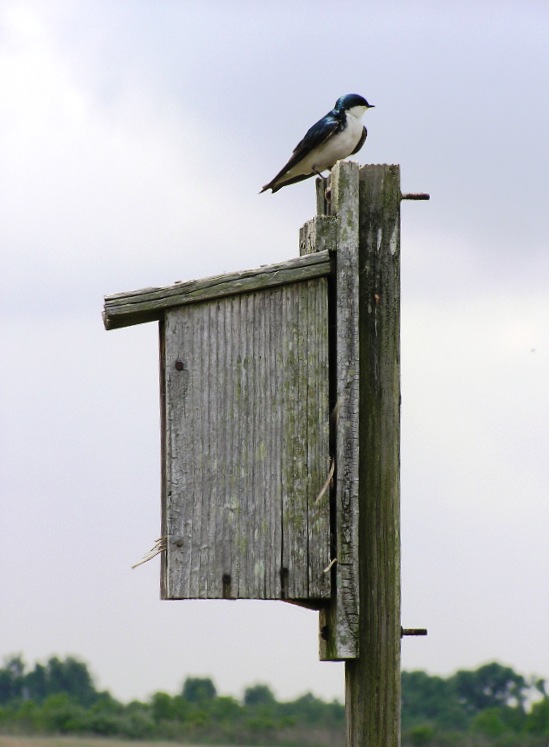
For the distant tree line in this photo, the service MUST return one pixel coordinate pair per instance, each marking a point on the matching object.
(492, 705)
(489, 706)
(59, 697)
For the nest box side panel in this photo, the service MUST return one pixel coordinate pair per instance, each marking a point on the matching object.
(246, 446)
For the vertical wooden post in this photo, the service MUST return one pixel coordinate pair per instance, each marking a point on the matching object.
(373, 679)
(341, 620)
(362, 622)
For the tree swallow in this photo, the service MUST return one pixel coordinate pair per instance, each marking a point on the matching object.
(337, 135)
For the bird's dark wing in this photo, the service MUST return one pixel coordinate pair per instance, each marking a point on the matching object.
(315, 136)
(361, 141)
(284, 183)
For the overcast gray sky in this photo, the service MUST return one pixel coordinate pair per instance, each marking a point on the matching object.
(134, 137)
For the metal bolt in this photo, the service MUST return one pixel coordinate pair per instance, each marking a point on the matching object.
(413, 631)
(415, 196)
(179, 365)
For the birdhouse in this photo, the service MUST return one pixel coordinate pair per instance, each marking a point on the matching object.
(245, 430)
(279, 415)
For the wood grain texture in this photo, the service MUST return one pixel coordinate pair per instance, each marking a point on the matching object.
(362, 622)
(150, 304)
(339, 621)
(246, 412)
(373, 679)
(317, 235)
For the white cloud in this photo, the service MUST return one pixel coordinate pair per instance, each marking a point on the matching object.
(133, 143)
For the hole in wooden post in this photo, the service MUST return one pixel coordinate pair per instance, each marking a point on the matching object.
(226, 581)
(284, 573)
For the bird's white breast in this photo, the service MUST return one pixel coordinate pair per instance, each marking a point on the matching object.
(339, 146)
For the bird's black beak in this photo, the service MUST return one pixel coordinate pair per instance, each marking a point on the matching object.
(371, 106)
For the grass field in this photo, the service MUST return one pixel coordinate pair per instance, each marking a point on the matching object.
(19, 741)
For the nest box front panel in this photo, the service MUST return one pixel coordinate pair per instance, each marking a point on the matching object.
(246, 446)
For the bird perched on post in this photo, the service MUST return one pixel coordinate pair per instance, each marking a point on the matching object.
(337, 135)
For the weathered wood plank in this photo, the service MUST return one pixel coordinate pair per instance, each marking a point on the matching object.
(317, 235)
(373, 679)
(339, 620)
(149, 304)
(247, 445)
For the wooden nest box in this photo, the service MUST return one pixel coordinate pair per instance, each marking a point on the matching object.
(279, 397)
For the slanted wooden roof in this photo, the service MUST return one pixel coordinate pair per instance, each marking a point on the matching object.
(149, 304)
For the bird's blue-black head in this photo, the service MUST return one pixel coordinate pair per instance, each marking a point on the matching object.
(350, 100)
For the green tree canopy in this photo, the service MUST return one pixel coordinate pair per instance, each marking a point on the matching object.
(12, 679)
(68, 676)
(490, 686)
(199, 690)
(430, 699)
(537, 721)
(258, 695)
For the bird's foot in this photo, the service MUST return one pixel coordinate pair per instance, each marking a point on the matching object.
(320, 174)
(325, 179)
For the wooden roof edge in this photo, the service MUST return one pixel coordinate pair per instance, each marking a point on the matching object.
(149, 304)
